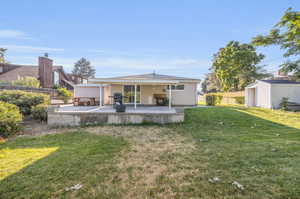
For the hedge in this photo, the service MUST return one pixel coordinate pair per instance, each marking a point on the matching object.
(64, 94)
(24, 100)
(240, 100)
(213, 99)
(10, 117)
(39, 112)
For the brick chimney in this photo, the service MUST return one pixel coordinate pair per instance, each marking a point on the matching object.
(45, 72)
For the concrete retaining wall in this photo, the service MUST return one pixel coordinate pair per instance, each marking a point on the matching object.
(88, 118)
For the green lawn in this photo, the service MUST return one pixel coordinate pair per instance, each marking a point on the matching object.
(42, 167)
(258, 148)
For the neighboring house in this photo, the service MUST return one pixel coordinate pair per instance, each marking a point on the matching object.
(45, 72)
(145, 89)
(269, 93)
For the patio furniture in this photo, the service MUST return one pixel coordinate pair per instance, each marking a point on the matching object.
(84, 101)
(161, 99)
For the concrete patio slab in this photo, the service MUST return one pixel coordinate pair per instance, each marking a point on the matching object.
(110, 109)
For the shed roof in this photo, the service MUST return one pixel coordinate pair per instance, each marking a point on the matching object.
(280, 82)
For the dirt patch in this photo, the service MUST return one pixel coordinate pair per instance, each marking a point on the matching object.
(154, 164)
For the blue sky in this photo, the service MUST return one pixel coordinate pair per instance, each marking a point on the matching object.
(133, 37)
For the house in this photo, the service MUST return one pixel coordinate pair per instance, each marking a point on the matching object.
(146, 89)
(45, 72)
(269, 93)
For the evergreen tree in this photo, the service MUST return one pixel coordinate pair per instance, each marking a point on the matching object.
(83, 69)
(2, 55)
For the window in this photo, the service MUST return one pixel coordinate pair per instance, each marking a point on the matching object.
(1, 69)
(128, 92)
(179, 87)
(55, 78)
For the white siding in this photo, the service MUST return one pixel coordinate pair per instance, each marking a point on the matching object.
(86, 92)
(250, 98)
(188, 96)
(263, 95)
(278, 91)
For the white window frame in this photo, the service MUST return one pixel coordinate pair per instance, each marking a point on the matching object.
(175, 89)
(132, 85)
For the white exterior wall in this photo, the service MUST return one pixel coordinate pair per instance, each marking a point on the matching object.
(250, 98)
(188, 96)
(86, 92)
(262, 93)
(278, 91)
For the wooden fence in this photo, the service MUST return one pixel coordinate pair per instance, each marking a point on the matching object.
(228, 98)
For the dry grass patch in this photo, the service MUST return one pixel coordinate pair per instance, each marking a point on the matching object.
(154, 166)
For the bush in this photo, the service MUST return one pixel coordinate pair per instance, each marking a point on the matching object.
(213, 99)
(284, 104)
(210, 100)
(239, 100)
(28, 82)
(9, 119)
(39, 112)
(24, 100)
(64, 94)
(219, 99)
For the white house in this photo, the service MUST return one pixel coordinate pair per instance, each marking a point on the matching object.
(144, 89)
(269, 93)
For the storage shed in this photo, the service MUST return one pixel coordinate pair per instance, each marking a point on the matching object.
(269, 93)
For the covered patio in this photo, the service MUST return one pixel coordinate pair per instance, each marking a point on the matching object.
(135, 92)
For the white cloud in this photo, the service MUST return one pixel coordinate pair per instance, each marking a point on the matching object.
(21, 48)
(13, 34)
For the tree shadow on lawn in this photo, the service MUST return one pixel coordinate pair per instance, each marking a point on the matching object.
(69, 159)
(237, 144)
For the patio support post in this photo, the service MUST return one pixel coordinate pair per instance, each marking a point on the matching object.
(100, 95)
(170, 95)
(135, 96)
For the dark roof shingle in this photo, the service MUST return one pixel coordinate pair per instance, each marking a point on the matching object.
(280, 82)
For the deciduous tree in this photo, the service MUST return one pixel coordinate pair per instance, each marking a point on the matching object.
(285, 34)
(236, 65)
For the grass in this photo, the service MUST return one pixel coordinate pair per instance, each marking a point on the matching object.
(259, 148)
(42, 167)
(255, 147)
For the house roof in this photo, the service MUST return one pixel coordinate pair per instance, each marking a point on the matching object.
(17, 71)
(149, 77)
(280, 82)
(20, 71)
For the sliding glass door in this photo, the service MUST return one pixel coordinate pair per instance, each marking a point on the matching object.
(128, 92)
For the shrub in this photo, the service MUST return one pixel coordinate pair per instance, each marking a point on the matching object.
(9, 119)
(239, 100)
(64, 94)
(284, 104)
(28, 82)
(219, 99)
(39, 112)
(210, 100)
(213, 99)
(56, 86)
(24, 100)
